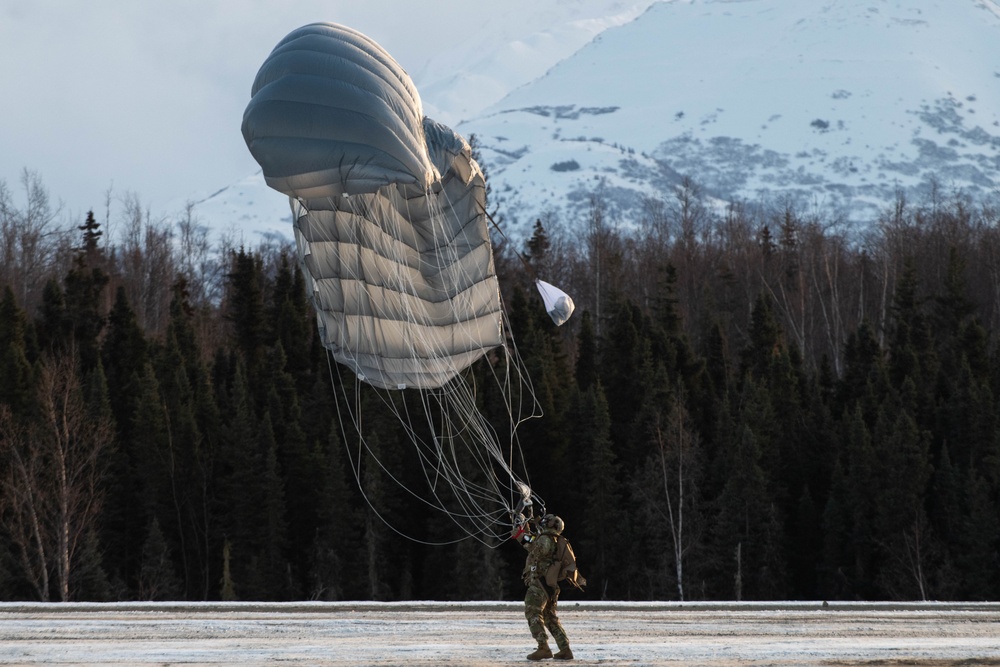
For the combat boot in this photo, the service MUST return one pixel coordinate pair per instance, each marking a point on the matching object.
(564, 653)
(543, 651)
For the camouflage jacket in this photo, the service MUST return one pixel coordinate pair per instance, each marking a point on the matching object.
(541, 555)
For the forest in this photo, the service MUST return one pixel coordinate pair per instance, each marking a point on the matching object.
(752, 402)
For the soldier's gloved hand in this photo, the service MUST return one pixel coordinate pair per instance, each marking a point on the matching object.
(517, 533)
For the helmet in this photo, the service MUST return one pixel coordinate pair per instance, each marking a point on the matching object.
(552, 523)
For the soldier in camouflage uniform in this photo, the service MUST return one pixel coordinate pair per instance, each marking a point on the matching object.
(542, 596)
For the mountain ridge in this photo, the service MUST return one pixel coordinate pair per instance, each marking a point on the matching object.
(861, 99)
(834, 106)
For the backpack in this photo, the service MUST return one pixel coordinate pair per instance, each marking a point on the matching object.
(563, 568)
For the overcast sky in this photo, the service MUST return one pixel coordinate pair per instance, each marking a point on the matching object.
(147, 97)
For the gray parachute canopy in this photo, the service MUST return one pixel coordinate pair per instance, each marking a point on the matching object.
(389, 209)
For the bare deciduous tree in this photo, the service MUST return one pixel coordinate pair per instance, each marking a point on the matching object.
(676, 449)
(147, 262)
(23, 502)
(51, 488)
(30, 240)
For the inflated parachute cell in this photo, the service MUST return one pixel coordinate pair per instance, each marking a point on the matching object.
(331, 112)
(389, 206)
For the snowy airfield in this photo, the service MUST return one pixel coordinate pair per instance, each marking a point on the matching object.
(479, 634)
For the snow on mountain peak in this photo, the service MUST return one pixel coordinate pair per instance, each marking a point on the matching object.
(834, 103)
(475, 67)
(831, 103)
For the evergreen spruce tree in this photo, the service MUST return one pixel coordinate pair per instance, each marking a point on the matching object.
(743, 524)
(654, 573)
(55, 326)
(391, 513)
(671, 348)
(901, 478)
(291, 322)
(84, 299)
(966, 416)
(666, 493)
(765, 340)
(977, 541)
(376, 532)
(818, 450)
(123, 351)
(90, 583)
(860, 505)
(751, 495)
(91, 237)
(586, 353)
(245, 309)
(952, 306)
(187, 462)
(180, 328)
(946, 517)
(716, 361)
(194, 424)
(909, 347)
(334, 570)
(16, 390)
(758, 413)
(626, 369)
(604, 527)
(157, 576)
(864, 381)
(775, 408)
(805, 547)
(538, 247)
(94, 564)
(302, 471)
(147, 482)
(272, 543)
(835, 570)
(543, 441)
(240, 493)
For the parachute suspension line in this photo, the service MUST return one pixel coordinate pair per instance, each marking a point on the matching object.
(353, 417)
(440, 454)
(468, 467)
(512, 379)
(515, 381)
(402, 274)
(524, 261)
(461, 421)
(467, 433)
(353, 403)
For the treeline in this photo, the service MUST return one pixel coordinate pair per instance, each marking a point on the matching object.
(750, 403)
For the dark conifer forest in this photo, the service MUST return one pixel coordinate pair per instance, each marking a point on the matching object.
(751, 402)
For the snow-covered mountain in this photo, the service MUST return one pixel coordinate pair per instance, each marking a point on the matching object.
(512, 48)
(248, 212)
(836, 103)
(830, 103)
(471, 70)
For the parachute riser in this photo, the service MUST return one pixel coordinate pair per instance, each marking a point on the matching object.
(558, 304)
(531, 270)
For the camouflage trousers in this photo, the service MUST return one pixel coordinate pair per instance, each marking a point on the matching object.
(540, 610)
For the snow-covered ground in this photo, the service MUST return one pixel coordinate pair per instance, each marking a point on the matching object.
(478, 634)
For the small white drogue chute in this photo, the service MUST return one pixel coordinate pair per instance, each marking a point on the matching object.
(558, 304)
